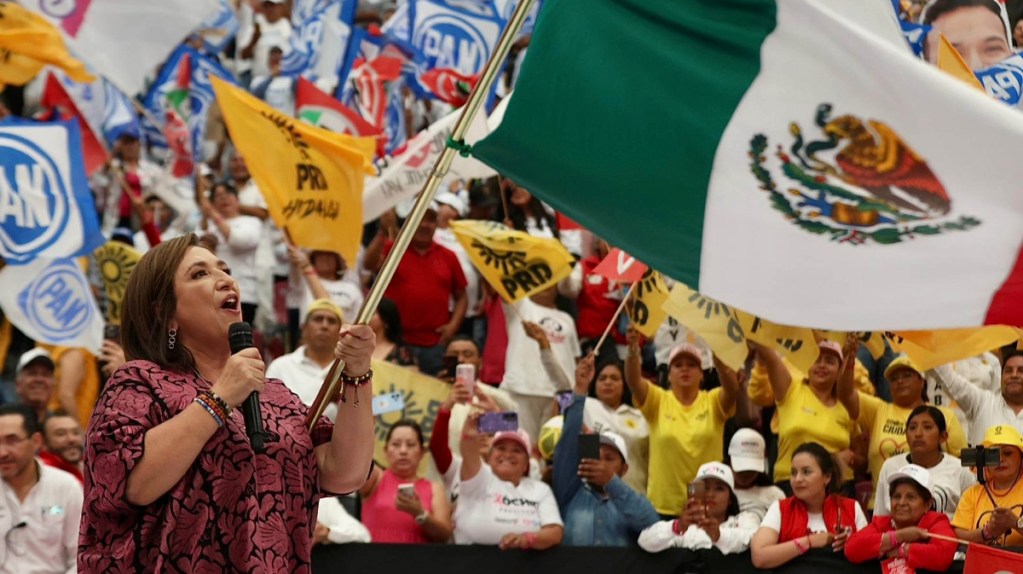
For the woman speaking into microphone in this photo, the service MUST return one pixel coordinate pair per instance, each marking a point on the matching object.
(171, 481)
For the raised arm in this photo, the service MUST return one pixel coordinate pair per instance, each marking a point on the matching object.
(301, 262)
(638, 386)
(729, 385)
(470, 448)
(847, 394)
(777, 374)
(550, 363)
(566, 481)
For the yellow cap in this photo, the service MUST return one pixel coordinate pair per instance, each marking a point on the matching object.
(325, 305)
(1003, 435)
(901, 362)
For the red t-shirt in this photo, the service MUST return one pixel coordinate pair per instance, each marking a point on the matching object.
(422, 288)
(596, 309)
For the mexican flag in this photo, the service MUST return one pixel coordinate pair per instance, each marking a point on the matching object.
(786, 157)
(317, 108)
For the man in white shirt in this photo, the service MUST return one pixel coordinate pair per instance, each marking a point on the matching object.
(40, 506)
(525, 378)
(304, 370)
(985, 409)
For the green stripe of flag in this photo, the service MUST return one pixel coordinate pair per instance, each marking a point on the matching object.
(617, 114)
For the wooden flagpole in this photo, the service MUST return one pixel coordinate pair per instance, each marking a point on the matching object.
(614, 319)
(475, 102)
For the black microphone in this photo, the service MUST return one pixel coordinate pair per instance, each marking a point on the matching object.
(239, 335)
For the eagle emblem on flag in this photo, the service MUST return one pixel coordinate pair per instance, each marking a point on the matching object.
(857, 181)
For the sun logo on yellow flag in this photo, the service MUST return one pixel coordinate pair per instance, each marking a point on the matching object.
(858, 182)
(115, 261)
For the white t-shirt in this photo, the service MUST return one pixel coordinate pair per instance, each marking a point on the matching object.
(524, 373)
(302, 376)
(757, 499)
(344, 293)
(815, 520)
(239, 252)
(270, 35)
(949, 479)
(250, 196)
(488, 508)
(51, 513)
(278, 92)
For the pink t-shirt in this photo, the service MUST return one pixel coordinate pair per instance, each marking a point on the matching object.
(387, 524)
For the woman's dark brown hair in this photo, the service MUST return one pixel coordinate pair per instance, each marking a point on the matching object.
(150, 304)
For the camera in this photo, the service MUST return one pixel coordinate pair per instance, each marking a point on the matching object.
(980, 457)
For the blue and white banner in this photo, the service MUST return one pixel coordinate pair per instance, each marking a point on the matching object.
(51, 301)
(218, 30)
(458, 35)
(163, 93)
(107, 110)
(1004, 80)
(319, 46)
(46, 208)
(395, 127)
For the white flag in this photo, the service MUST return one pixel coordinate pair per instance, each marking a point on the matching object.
(405, 176)
(124, 40)
(50, 300)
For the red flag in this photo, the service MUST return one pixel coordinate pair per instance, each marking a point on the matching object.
(621, 267)
(62, 106)
(982, 559)
(449, 85)
(565, 223)
(315, 107)
(369, 78)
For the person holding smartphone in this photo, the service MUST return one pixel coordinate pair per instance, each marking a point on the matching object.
(598, 507)
(398, 506)
(815, 516)
(498, 503)
(711, 519)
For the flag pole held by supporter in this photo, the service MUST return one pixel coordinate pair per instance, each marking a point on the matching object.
(614, 319)
(476, 100)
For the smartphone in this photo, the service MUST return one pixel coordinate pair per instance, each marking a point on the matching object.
(112, 333)
(696, 489)
(449, 363)
(407, 489)
(388, 403)
(564, 399)
(492, 423)
(465, 373)
(589, 446)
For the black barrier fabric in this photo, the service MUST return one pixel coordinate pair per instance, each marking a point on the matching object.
(384, 558)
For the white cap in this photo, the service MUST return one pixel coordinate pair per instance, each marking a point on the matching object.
(917, 474)
(32, 355)
(748, 451)
(615, 441)
(452, 201)
(716, 470)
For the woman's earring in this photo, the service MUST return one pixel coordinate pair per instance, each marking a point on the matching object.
(172, 338)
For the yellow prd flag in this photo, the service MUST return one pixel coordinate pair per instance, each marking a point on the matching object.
(797, 344)
(930, 349)
(28, 42)
(311, 178)
(515, 263)
(716, 323)
(646, 311)
(423, 396)
(115, 261)
(952, 63)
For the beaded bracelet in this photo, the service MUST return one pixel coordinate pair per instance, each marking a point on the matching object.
(802, 548)
(356, 382)
(219, 401)
(530, 540)
(210, 409)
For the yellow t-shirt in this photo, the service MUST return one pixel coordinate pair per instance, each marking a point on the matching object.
(886, 424)
(760, 391)
(681, 439)
(802, 417)
(975, 508)
(88, 390)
